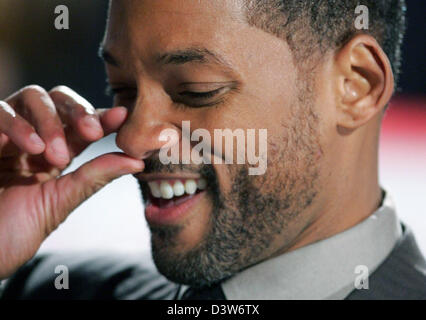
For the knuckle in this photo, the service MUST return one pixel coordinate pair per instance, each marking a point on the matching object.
(33, 89)
(90, 183)
(6, 108)
(97, 184)
(70, 100)
(35, 97)
(60, 89)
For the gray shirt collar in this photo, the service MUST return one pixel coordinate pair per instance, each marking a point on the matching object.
(327, 269)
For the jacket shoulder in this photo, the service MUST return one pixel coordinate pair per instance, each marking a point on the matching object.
(90, 276)
(402, 276)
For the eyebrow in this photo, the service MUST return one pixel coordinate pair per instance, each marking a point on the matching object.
(194, 54)
(176, 57)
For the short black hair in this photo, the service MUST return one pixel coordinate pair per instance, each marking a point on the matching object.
(312, 25)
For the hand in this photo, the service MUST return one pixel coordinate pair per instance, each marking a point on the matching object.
(40, 133)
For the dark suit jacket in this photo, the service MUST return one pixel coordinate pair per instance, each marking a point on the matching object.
(401, 276)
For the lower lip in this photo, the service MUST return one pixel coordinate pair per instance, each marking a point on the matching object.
(172, 214)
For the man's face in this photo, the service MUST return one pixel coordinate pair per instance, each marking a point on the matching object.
(199, 61)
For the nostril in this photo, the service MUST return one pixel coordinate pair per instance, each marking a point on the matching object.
(142, 141)
(133, 147)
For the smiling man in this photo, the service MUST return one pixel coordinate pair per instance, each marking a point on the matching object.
(314, 225)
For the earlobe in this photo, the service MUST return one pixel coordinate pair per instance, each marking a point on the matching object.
(364, 82)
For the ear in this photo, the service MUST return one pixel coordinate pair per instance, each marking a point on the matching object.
(364, 82)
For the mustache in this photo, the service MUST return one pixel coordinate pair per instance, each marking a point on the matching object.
(154, 165)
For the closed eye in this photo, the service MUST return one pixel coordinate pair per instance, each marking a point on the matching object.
(201, 95)
(200, 99)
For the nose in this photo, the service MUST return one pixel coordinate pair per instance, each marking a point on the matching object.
(142, 134)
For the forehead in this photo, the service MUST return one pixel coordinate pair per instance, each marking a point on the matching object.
(141, 30)
(165, 24)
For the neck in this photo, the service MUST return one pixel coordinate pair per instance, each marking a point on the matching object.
(355, 193)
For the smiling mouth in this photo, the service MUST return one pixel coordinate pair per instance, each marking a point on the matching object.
(165, 193)
(170, 200)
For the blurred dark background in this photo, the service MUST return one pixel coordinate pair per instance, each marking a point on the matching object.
(38, 53)
(33, 51)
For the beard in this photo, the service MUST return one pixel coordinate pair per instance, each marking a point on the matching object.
(257, 210)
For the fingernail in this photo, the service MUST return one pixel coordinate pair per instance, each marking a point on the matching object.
(35, 139)
(92, 122)
(60, 149)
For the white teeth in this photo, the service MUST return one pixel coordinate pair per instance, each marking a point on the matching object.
(166, 190)
(155, 189)
(202, 184)
(190, 186)
(178, 188)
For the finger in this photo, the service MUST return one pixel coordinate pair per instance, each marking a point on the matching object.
(77, 112)
(35, 104)
(112, 119)
(69, 191)
(19, 131)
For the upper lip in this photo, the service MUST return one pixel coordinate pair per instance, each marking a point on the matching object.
(164, 176)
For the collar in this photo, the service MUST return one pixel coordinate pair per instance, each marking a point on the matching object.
(326, 269)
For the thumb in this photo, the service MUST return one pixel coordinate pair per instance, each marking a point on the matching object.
(70, 190)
